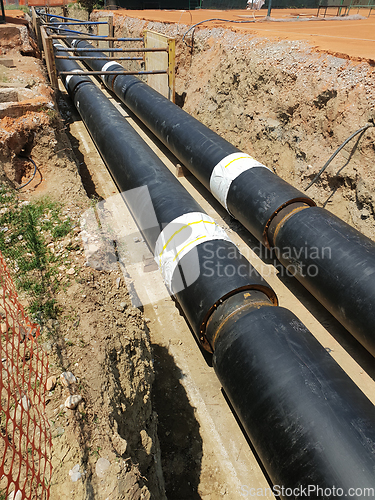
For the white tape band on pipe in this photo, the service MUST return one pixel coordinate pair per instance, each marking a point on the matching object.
(69, 77)
(227, 170)
(180, 236)
(107, 65)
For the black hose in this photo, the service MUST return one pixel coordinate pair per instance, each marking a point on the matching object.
(32, 177)
(362, 129)
(206, 21)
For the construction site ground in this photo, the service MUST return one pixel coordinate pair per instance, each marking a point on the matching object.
(354, 39)
(168, 423)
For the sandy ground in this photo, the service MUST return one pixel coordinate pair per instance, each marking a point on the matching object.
(353, 38)
(347, 38)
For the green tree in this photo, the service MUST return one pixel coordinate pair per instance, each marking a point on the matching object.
(90, 5)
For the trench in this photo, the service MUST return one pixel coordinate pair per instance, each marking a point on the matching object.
(284, 103)
(221, 101)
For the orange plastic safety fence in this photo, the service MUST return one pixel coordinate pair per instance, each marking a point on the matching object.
(25, 440)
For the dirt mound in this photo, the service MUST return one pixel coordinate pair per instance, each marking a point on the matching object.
(16, 35)
(103, 341)
(284, 103)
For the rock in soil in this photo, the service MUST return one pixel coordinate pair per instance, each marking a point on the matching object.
(73, 401)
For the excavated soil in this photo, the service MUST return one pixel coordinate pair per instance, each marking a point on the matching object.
(287, 103)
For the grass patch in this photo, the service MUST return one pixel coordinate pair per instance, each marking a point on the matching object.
(24, 8)
(26, 229)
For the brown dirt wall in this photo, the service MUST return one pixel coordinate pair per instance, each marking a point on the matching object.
(285, 103)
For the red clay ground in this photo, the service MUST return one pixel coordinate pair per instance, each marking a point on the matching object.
(15, 17)
(348, 38)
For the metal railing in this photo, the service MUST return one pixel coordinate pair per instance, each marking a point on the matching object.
(47, 30)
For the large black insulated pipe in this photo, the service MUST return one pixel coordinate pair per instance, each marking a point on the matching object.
(254, 195)
(334, 260)
(309, 423)
(171, 221)
(173, 224)
(301, 412)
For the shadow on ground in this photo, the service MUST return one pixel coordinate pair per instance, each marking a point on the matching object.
(178, 429)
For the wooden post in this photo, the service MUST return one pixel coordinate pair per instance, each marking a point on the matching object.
(38, 34)
(53, 75)
(111, 33)
(36, 28)
(50, 58)
(106, 30)
(165, 84)
(33, 19)
(171, 68)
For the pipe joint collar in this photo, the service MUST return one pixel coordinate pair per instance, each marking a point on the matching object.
(180, 237)
(229, 310)
(280, 217)
(110, 65)
(228, 169)
(69, 77)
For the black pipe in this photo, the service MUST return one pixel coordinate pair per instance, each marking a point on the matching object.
(308, 421)
(255, 198)
(298, 408)
(168, 200)
(332, 260)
